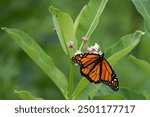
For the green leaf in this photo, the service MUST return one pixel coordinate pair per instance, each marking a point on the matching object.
(123, 93)
(129, 94)
(143, 7)
(44, 61)
(104, 92)
(145, 66)
(85, 90)
(64, 28)
(25, 95)
(85, 24)
(118, 50)
(83, 84)
(88, 18)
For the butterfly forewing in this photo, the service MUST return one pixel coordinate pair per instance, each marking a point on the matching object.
(94, 75)
(85, 59)
(86, 70)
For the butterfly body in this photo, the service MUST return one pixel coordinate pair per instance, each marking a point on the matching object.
(96, 69)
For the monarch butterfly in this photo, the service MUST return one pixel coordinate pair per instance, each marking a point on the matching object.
(96, 69)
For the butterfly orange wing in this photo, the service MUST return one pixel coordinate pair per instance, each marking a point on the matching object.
(96, 69)
(108, 76)
(85, 59)
(87, 62)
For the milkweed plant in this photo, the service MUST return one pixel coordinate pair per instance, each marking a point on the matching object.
(72, 37)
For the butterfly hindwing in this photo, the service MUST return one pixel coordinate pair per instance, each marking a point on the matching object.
(96, 69)
(108, 76)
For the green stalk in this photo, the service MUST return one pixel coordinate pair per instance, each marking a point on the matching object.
(70, 87)
(81, 46)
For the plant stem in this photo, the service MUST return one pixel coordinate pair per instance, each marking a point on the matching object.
(81, 46)
(71, 80)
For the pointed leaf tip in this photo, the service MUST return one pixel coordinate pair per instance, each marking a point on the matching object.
(54, 11)
(26, 95)
(140, 32)
(126, 44)
(51, 9)
(64, 28)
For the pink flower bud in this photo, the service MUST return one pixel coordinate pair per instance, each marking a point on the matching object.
(70, 44)
(85, 39)
(93, 49)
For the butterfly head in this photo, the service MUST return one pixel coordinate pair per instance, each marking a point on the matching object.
(77, 58)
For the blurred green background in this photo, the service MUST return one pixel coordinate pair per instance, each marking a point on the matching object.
(19, 72)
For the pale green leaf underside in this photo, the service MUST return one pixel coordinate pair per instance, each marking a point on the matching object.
(118, 50)
(143, 65)
(37, 54)
(25, 95)
(88, 18)
(64, 27)
(143, 7)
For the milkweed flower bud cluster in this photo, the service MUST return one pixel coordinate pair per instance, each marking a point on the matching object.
(91, 49)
